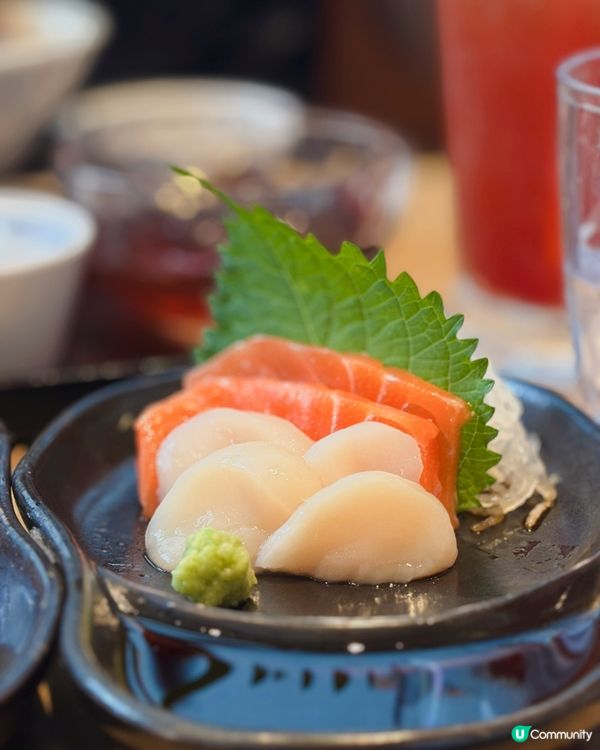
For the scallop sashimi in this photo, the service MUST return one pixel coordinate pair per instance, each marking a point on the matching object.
(218, 428)
(372, 527)
(315, 409)
(273, 357)
(248, 489)
(366, 446)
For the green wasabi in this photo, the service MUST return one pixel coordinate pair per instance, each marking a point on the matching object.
(215, 569)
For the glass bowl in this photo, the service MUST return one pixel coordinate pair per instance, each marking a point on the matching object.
(338, 175)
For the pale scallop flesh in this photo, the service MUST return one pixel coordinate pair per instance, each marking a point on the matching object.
(370, 527)
(247, 489)
(213, 429)
(366, 446)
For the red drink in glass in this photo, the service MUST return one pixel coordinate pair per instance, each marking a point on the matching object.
(498, 60)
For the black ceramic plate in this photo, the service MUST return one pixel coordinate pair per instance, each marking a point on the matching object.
(30, 595)
(81, 470)
(231, 693)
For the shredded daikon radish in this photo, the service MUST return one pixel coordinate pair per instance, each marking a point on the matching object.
(520, 473)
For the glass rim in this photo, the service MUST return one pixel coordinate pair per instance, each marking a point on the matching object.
(369, 137)
(565, 72)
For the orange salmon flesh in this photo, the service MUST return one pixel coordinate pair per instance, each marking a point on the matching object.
(313, 407)
(272, 357)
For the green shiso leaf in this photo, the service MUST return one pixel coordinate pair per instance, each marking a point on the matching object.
(276, 282)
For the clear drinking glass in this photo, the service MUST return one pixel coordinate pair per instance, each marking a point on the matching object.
(579, 156)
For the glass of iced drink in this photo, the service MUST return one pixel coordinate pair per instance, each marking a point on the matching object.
(498, 64)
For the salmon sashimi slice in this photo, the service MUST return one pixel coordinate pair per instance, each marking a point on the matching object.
(313, 407)
(272, 357)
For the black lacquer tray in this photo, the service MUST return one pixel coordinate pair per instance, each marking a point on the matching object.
(30, 597)
(469, 632)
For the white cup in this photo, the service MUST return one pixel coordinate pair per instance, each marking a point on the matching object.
(46, 49)
(44, 241)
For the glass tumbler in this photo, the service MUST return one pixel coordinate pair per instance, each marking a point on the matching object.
(579, 158)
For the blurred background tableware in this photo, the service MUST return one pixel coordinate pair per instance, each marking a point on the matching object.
(338, 175)
(44, 241)
(46, 48)
(579, 120)
(260, 76)
(498, 61)
(280, 67)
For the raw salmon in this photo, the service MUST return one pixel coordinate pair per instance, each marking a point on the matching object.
(272, 357)
(313, 407)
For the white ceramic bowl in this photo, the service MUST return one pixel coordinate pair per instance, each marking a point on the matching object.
(44, 241)
(46, 48)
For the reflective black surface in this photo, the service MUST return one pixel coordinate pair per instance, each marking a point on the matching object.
(140, 688)
(30, 594)
(224, 683)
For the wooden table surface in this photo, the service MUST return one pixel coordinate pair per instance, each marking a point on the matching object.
(424, 243)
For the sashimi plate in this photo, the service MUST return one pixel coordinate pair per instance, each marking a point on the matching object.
(77, 484)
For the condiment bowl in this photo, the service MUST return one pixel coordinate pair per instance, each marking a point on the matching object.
(44, 241)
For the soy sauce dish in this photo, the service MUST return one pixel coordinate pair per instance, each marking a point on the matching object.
(30, 598)
(454, 659)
